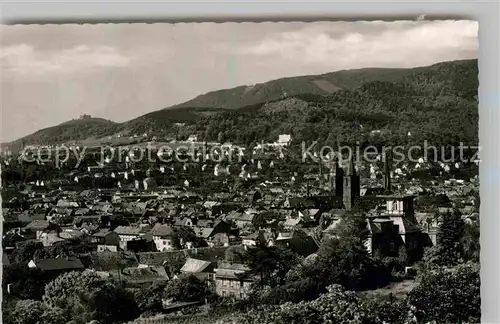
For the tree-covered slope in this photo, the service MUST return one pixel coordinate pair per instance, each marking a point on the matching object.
(76, 129)
(437, 103)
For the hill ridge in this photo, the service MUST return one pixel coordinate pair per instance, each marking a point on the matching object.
(457, 79)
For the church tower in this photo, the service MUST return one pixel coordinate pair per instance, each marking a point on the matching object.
(336, 179)
(351, 186)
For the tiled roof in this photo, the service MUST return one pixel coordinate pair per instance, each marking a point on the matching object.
(210, 204)
(141, 274)
(205, 222)
(195, 265)
(59, 264)
(162, 230)
(405, 226)
(130, 230)
(38, 224)
(105, 261)
(231, 274)
(244, 217)
(203, 232)
(102, 232)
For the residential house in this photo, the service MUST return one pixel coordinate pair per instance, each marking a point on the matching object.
(284, 139)
(38, 227)
(212, 208)
(50, 238)
(163, 237)
(218, 234)
(103, 207)
(64, 203)
(133, 233)
(383, 237)
(185, 221)
(205, 233)
(137, 208)
(71, 234)
(232, 281)
(106, 240)
(60, 212)
(139, 245)
(251, 239)
(241, 220)
(96, 220)
(399, 212)
(221, 239)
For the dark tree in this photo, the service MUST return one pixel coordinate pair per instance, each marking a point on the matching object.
(448, 295)
(270, 263)
(448, 250)
(186, 288)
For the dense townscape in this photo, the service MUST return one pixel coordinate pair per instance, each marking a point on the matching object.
(110, 241)
(243, 206)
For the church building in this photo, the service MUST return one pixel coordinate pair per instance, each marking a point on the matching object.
(392, 223)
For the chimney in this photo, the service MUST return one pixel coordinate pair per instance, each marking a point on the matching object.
(387, 171)
(351, 169)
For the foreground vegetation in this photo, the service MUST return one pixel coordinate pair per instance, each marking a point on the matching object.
(328, 288)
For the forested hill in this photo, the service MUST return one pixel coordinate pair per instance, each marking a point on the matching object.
(76, 129)
(323, 84)
(161, 121)
(437, 103)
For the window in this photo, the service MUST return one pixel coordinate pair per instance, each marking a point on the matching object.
(164, 242)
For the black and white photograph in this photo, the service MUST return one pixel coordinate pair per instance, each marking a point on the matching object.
(241, 172)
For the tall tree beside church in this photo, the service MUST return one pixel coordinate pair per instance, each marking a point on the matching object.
(448, 250)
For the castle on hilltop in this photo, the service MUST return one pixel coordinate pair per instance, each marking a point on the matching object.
(85, 116)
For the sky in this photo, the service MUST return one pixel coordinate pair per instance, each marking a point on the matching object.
(53, 73)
